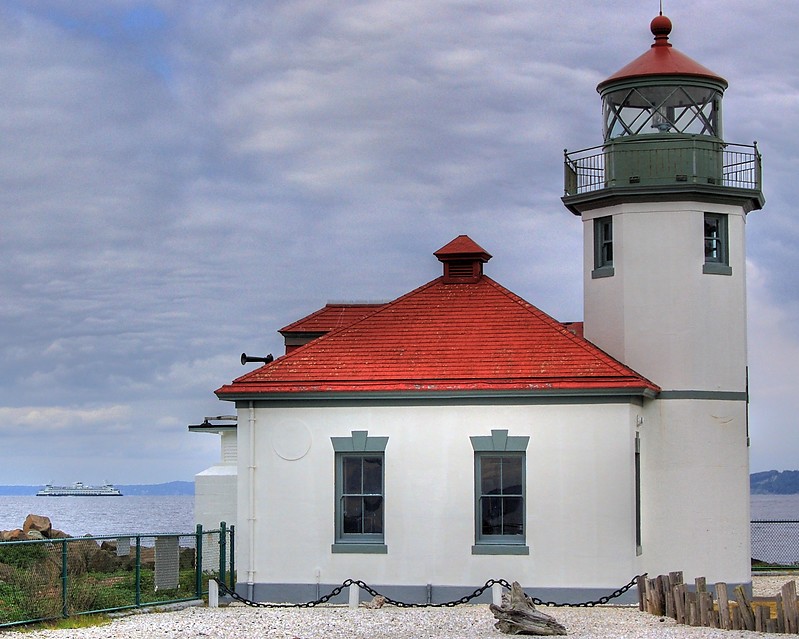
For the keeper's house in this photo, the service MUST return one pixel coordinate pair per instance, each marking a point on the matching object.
(459, 433)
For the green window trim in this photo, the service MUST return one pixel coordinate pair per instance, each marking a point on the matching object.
(359, 494)
(717, 244)
(603, 247)
(500, 493)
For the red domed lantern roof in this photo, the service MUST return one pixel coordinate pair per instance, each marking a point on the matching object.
(662, 59)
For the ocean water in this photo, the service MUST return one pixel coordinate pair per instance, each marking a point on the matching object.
(78, 516)
(775, 507)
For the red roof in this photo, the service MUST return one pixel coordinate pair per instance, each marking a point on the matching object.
(445, 337)
(662, 59)
(330, 317)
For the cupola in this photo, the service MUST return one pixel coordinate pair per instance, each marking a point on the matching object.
(463, 260)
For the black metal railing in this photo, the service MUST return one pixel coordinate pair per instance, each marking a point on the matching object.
(692, 161)
(47, 579)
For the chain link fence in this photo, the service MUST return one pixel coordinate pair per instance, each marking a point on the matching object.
(775, 544)
(50, 578)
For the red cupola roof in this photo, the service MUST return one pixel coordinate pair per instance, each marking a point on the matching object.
(662, 59)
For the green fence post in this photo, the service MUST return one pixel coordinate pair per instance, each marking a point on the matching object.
(198, 583)
(222, 550)
(64, 608)
(232, 555)
(138, 571)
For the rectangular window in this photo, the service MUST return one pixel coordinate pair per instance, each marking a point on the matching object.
(603, 247)
(500, 498)
(717, 254)
(359, 498)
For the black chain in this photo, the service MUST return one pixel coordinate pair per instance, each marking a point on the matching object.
(225, 590)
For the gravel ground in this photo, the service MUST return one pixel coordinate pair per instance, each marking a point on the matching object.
(337, 622)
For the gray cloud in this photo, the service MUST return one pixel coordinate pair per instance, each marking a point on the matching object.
(179, 180)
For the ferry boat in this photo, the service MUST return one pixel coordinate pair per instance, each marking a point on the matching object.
(79, 489)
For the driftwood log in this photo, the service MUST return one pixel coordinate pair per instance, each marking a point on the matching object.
(518, 616)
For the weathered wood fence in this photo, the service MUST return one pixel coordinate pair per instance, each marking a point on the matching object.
(668, 595)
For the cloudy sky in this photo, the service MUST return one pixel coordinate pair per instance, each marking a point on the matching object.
(179, 179)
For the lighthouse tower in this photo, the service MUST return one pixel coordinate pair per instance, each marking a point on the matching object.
(664, 201)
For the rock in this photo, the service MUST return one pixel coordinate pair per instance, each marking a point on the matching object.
(38, 523)
(59, 534)
(35, 535)
(13, 535)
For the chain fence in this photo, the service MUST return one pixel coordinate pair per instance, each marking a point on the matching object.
(230, 592)
(775, 544)
(46, 579)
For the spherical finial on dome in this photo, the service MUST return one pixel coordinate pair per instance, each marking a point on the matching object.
(660, 26)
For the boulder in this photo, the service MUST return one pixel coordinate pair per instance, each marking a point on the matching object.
(35, 535)
(38, 523)
(13, 535)
(59, 534)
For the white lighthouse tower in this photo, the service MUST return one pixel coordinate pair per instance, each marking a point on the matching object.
(664, 202)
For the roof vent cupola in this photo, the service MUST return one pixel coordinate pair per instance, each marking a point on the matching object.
(463, 260)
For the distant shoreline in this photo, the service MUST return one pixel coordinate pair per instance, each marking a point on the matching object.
(171, 488)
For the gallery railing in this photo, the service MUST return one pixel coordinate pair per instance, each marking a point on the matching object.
(47, 579)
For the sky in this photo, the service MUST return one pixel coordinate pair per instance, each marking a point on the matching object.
(179, 180)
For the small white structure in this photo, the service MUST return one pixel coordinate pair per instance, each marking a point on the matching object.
(216, 487)
(459, 434)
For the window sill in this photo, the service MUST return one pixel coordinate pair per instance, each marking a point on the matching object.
(365, 549)
(715, 268)
(500, 549)
(602, 271)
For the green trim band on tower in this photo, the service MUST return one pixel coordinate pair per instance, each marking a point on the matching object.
(726, 396)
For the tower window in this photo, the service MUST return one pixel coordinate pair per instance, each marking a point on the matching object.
(603, 247)
(717, 252)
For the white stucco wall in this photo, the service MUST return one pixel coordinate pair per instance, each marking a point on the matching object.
(695, 478)
(579, 495)
(659, 313)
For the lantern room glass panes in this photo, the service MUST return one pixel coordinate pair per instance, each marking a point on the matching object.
(500, 498)
(361, 498)
(643, 110)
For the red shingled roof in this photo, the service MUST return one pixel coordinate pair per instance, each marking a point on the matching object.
(330, 317)
(445, 337)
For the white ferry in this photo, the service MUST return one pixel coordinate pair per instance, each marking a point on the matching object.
(79, 489)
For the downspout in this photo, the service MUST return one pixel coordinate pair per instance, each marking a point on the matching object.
(251, 513)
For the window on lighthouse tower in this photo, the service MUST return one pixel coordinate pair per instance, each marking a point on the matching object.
(603, 247)
(717, 254)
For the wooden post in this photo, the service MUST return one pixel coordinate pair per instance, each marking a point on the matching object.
(705, 602)
(641, 583)
(745, 606)
(691, 610)
(724, 606)
(679, 603)
(668, 596)
(780, 614)
(790, 612)
(737, 622)
(701, 584)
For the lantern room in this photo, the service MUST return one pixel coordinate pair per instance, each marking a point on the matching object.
(662, 137)
(662, 91)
